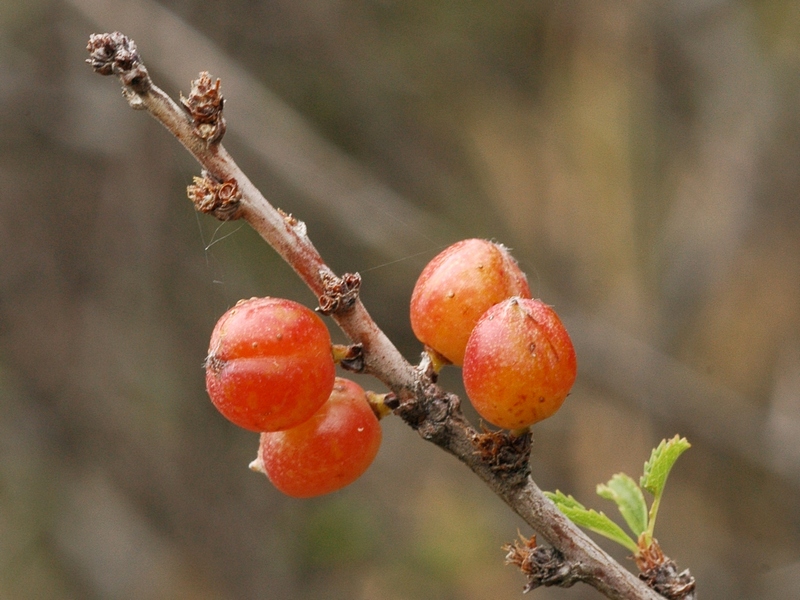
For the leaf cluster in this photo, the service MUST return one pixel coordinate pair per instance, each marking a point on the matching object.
(629, 498)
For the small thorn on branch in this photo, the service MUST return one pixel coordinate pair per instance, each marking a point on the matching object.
(219, 198)
(204, 106)
(340, 293)
(116, 54)
(543, 566)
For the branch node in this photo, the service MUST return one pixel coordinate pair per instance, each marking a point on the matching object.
(427, 368)
(339, 293)
(116, 54)
(661, 573)
(543, 566)
(507, 455)
(295, 224)
(430, 413)
(204, 106)
(219, 198)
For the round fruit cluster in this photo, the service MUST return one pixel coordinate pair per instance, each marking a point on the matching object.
(270, 369)
(472, 307)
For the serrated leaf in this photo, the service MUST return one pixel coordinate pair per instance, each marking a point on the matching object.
(623, 490)
(661, 461)
(599, 523)
(591, 519)
(560, 499)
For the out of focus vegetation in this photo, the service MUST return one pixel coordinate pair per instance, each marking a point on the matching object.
(642, 159)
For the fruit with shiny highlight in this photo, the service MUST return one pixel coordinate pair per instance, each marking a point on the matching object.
(326, 453)
(519, 363)
(269, 364)
(456, 288)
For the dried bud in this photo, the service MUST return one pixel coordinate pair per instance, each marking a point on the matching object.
(102, 50)
(204, 106)
(220, 198)
(116, 54)
(543, 566)
(661, 573)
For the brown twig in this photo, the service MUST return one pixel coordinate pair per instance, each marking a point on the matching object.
(225, 191)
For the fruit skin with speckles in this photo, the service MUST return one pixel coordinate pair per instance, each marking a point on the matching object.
(456, 288)
(519, 363)
(269, 364)
(326, 453)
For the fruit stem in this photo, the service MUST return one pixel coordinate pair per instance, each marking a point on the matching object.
(382, 405)
(438, 361)
(515, 433)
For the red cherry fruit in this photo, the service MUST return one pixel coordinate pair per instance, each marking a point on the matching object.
(456, 288)
(269, 364)
(329, 451)
(519, 363)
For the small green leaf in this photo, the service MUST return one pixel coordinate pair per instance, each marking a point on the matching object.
(661, 460)
(560, 499)
(623, 490)
(591, 519)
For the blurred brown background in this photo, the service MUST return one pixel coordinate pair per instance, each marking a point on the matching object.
(641, 159)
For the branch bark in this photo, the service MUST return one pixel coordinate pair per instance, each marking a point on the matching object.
(499, 459)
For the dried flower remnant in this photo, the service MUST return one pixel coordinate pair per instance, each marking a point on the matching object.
(204, 106)
(220, 198)
(541, 565)
(340, 292)
(506, 454)
(116, 54)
